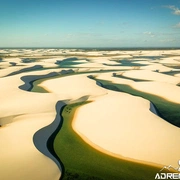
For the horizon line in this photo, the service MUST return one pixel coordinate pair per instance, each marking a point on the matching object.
(57, 47)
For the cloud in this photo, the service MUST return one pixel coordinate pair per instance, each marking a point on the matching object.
(177, 25)
(168, 40)
(149, 33)
(176, 10)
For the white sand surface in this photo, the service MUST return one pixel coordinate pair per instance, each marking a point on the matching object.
(158, 52)
(115, 123)
(149, 75)
(142, 62)
(28, 113)
(99, 64)
(165, 90)
(109, 77)
(145, 59)
(101, 60)
(157, 67)
(14, 101)
(177, 75)
(94, 53)
(170, 60)
(80, 86)
(122, 56)
(20, 159)
(18, 69)
(172, 52)
(3, 51)
(81, 61)
(89, 65)
(8, 70)
(4, 64)
(8, 60)
(121, 124)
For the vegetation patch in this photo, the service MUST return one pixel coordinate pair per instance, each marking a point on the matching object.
(37, 88)
(81, 161)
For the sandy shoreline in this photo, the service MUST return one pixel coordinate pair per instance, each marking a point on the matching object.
(28, 116)
(126, 135)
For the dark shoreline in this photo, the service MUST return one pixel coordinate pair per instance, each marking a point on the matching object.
(43, 139)
(50, 141)
(30, 79)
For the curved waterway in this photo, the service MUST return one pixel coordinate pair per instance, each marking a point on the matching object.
(169, 111)
(28, 80)
(44, 138)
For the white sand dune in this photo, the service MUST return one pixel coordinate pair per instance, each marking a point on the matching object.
(115, 123)
(164, 90)
(19, 158)
(81, 61)
(103, 60)
(94, 53)
(16, 102)
(3, 51)
(149, 75)
(177, 75)
(109, 77)
(4, 65)
(167, 91)
(121, 124)
(158, 52)
(142, 62)
(170, 61)
(89, 65)
(29, 112)
(157, 67)
(8, 70)
(41, 137)
(109, 66)
(80, 86)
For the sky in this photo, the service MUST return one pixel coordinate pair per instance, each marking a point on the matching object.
(90, 23)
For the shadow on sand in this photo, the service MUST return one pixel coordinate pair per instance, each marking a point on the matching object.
(44, 138)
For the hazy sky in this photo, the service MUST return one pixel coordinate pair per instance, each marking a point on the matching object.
(90, 23)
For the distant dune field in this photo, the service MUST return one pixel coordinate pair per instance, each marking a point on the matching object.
(123, 104)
